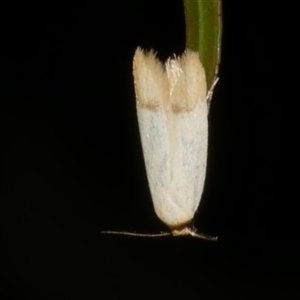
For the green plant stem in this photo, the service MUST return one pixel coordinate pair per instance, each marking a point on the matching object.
(203, 33)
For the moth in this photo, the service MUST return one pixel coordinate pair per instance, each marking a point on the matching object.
(172, 105)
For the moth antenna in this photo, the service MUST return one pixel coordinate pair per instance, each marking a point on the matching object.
(204, 236)
(137, 234)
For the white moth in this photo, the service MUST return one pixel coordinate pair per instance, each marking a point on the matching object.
(172, 110)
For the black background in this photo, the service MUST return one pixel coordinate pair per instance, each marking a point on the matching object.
(72, 165)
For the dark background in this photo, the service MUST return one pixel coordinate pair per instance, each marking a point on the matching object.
(72, 165)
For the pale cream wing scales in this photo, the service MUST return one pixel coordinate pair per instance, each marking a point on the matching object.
(189, 98)
(188, 133)
(187, 81)
(173, 128)
(150, 81)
